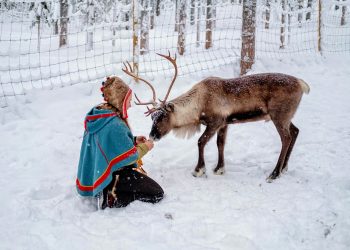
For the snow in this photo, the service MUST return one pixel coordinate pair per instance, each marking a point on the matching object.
(307, 208)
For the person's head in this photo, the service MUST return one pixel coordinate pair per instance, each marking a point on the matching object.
(118, 94)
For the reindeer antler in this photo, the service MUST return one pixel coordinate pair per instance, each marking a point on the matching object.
(128, 70)
(149, 111)
(173, 61)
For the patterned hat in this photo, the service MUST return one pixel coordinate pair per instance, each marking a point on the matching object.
(116, 93)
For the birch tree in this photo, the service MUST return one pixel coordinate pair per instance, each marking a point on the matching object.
(90, 20)
(157, 7)
(309, 7)
(151, 14)
(267, 14)
(248, 35)
(192, 12)
(343, 14)
(283, 24)
(63, 22)
(177, 13)
(144, 39)
(209, 25)
(198, 35)
(181, 27)
(300, 13)
(40, 14)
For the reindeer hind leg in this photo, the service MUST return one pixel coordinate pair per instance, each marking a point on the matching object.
(286, 139)
(221, 139)
(294, 131)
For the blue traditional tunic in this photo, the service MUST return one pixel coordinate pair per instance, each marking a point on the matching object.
(107, 146)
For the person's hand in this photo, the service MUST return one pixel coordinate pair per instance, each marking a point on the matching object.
(140, 139)
(149, 144)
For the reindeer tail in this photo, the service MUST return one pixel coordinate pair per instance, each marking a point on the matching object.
(304, 86)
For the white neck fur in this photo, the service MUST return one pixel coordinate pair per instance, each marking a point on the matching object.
(186, 114)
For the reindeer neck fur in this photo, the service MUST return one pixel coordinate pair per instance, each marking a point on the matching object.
(186, 115)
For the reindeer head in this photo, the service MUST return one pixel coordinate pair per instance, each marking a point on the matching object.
(162, 121)
(161, 113)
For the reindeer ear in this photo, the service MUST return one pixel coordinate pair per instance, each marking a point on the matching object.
(170, 107)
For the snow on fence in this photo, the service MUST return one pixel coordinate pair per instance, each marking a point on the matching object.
(51, 43)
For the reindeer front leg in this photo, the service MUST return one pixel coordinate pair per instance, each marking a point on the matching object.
(221, 139)
(205, 137)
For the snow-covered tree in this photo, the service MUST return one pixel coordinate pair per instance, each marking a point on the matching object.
(152, 9)
(157, 7)
(95, 11)
(267, 13)
(4, 5)
(309, 7)
(192, 12)
(343, 11)
(300, 14)
(55, 6)
(121, 12)
(40, 14)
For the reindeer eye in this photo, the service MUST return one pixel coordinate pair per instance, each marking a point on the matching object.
(156, 115)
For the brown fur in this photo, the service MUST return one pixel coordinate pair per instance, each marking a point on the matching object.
(114, 91)
(216, 102)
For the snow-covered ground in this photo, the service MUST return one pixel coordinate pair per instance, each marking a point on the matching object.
(307, 208)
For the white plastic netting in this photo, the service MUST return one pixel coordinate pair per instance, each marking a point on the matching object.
(99, 37)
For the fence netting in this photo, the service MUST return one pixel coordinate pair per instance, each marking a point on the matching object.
(55, 43)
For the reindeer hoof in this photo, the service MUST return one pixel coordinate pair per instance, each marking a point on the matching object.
(285, 169)
(199, 173)
(272, 177)
(219, 171)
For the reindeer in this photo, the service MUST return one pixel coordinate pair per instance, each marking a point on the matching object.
(216, 102)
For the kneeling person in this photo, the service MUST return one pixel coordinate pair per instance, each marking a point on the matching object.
(110, 166)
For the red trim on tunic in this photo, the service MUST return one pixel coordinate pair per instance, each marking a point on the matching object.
(125, 112)
(107, 172)
(95, 117)
(99, 146)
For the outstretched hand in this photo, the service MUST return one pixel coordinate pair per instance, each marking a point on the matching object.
(140, 139)
(149, 144)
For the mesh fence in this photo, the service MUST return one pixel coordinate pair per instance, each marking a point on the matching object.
(44, 45)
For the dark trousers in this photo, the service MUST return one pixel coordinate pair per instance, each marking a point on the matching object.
(129, 185)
